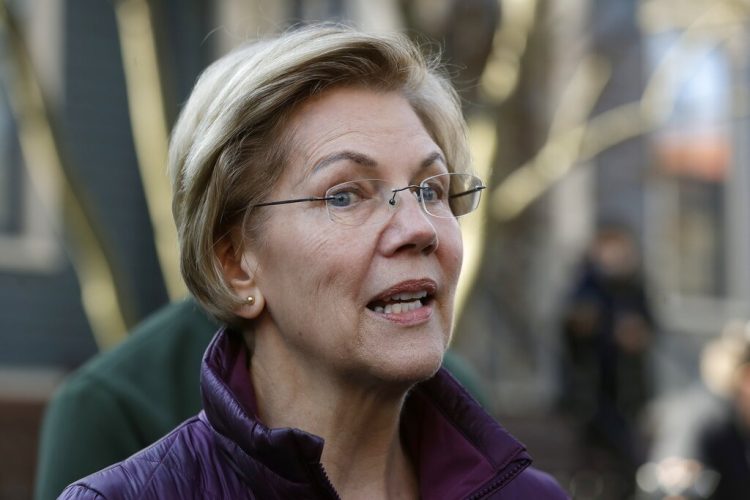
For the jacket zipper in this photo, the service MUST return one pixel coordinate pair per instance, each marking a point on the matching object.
(501, 481)
(323, 476)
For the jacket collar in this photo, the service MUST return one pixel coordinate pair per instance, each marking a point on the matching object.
(456, 446)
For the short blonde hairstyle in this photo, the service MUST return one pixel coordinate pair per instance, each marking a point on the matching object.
(229, 147)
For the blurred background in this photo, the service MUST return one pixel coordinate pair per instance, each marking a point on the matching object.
(607, 283)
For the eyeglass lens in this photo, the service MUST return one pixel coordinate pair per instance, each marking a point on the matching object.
(367, 201)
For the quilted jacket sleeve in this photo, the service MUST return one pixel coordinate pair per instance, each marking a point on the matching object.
(79, 492)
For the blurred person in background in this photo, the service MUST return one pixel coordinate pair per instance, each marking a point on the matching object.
(608, 328)
(124, 399)
(317, 179)
(703, 443)
(724, 445)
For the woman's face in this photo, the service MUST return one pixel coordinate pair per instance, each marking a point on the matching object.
(322, 281)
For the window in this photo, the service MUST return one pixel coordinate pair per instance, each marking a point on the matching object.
(29, 212)
(696, 216)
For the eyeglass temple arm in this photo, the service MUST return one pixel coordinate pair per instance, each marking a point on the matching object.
(286, 202)
(470, 191)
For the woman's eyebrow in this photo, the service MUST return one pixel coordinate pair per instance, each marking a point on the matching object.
(432, 158)
(366, 161)
(352, 156)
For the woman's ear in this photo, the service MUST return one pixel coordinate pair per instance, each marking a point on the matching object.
(240, 267)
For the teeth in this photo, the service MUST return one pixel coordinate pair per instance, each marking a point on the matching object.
(402, 302)
(400, 307)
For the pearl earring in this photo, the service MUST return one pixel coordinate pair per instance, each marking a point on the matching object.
(250, 300)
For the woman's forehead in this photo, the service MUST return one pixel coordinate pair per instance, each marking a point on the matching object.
(359, 126)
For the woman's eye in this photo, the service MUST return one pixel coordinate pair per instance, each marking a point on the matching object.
(343, 199)
(431, 193)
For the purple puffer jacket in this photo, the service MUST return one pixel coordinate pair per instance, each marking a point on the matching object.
(224, 452)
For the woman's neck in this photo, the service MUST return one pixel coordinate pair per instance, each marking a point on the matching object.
(363, 454)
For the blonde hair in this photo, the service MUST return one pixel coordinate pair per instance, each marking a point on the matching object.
(228, 147)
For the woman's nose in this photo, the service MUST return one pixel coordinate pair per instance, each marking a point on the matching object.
(409, 228)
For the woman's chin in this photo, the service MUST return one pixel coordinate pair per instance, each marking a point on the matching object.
(407, 370)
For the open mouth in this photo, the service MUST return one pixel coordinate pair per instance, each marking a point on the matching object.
(400, 303)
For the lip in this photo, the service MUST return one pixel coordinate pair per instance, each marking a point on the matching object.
(409, 286)
(409, 318)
